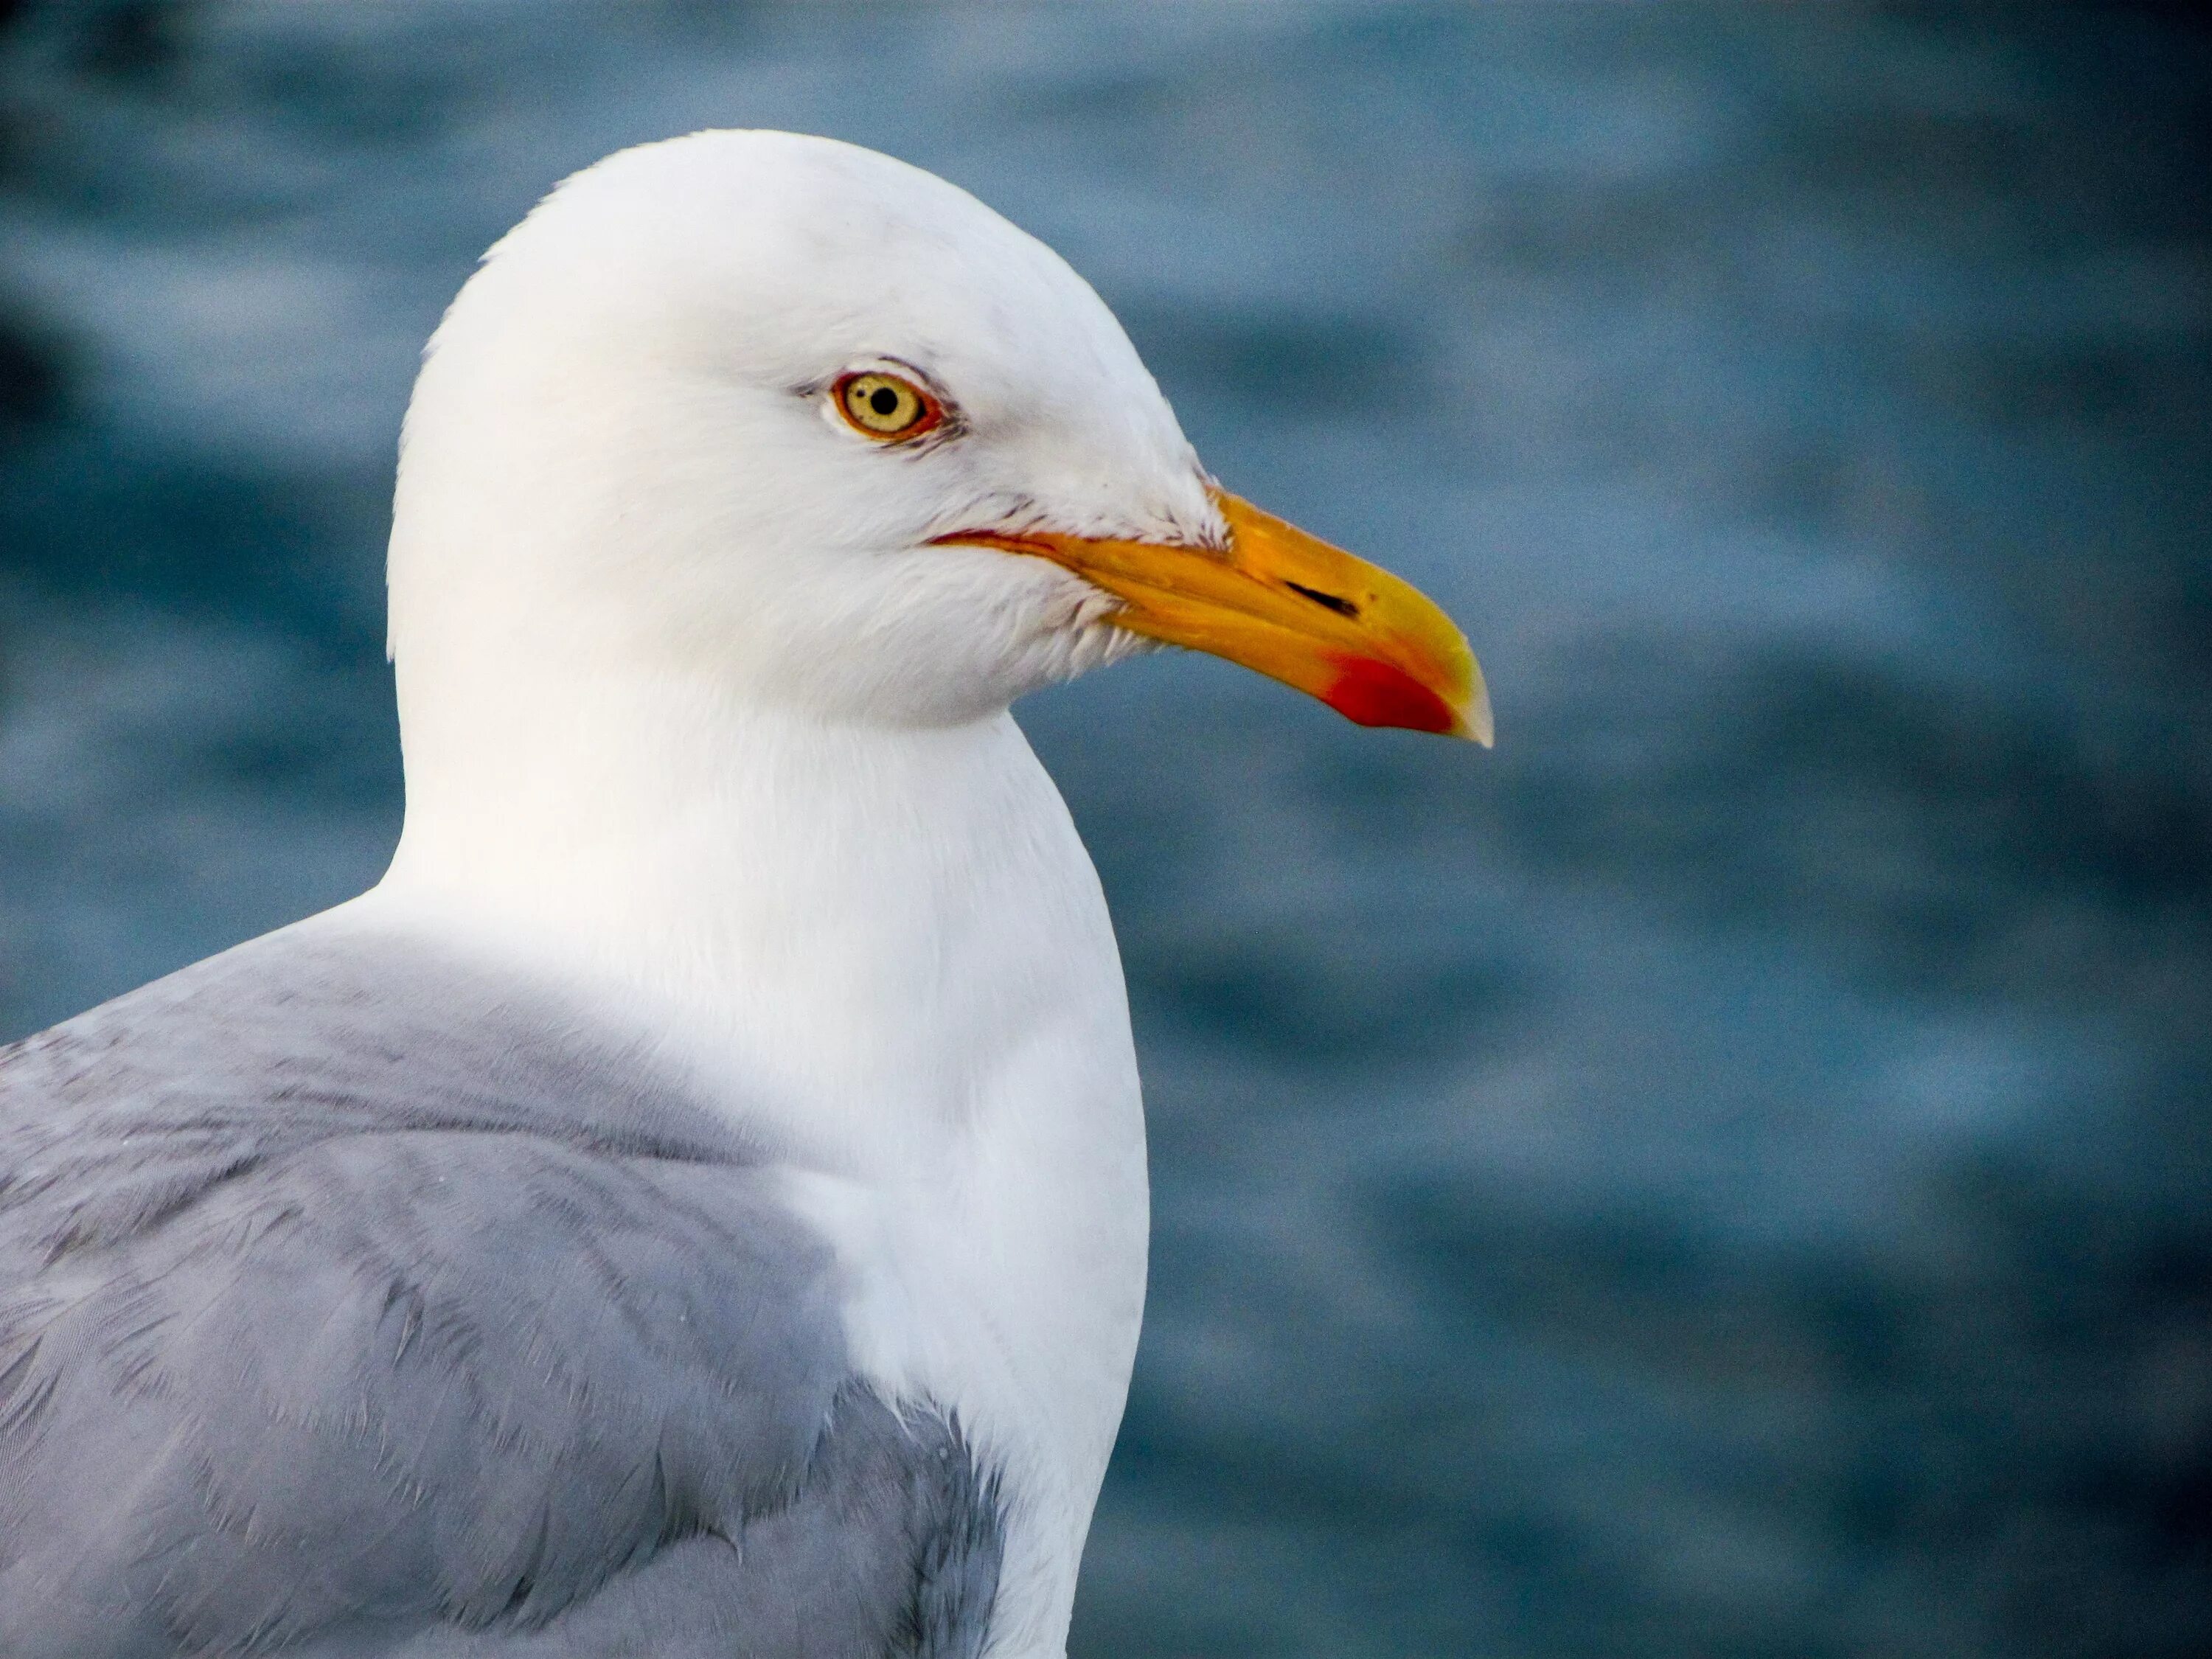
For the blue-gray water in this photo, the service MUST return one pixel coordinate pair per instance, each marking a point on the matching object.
(1726, 1174)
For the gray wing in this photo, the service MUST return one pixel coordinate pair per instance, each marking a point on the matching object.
(351, 1303)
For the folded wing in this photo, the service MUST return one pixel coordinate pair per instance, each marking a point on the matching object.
(353, 1302)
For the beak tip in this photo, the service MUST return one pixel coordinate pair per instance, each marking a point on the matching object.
(1476, 724)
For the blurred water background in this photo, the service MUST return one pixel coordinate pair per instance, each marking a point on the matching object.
(1726, 1174)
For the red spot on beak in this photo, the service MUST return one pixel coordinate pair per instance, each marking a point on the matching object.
(1370, 693)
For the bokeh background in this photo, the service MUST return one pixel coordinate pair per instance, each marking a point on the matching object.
(1729, 1173)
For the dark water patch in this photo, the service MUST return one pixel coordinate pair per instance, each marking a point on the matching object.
(193, 531)
(136, 43)
(2089, 383)
(1918, 1432)
(33, 371)
(1291, 366)
(1304, 1010)
(1950, 820)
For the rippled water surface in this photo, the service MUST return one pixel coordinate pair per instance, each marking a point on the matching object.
(1725, 1174)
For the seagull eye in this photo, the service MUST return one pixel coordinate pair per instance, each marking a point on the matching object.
(885, 407)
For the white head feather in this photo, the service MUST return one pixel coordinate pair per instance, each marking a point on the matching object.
(622, 447)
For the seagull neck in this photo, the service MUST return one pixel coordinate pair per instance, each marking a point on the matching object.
(876, 919)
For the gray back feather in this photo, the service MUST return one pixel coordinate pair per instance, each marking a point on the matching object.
(355, 1302)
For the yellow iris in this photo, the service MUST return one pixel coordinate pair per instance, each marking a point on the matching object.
(885, 406)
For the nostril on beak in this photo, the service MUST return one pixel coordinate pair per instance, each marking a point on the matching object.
(1326, 601)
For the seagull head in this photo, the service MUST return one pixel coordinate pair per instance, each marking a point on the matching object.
(794, 420)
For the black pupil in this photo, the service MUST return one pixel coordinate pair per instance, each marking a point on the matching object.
(884, 400)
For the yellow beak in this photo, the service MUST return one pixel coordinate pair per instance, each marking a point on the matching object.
(1288, 606)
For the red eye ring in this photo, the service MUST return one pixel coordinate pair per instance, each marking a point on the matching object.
(885, 407)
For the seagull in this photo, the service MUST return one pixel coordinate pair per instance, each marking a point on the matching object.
(696, 1203)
